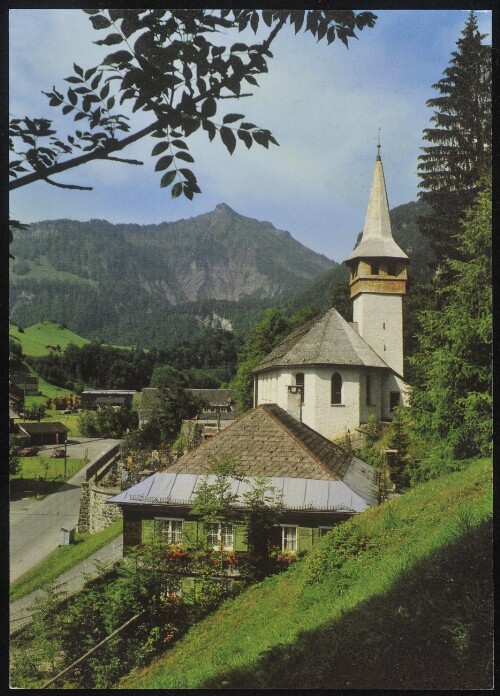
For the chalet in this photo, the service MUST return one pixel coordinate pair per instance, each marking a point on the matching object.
(319, 483)
(91, 399)
(48, 433)
(219, 411)
(23, 384)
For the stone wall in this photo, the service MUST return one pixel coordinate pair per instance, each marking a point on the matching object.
(95, 514)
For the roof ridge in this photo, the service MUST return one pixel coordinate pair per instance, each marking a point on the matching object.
(296, 439)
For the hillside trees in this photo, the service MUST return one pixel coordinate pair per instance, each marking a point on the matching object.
(166, 67)
(458, 152)
(452, 395)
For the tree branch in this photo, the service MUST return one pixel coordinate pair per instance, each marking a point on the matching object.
(127, 161)
(102, 153)
(68, 186)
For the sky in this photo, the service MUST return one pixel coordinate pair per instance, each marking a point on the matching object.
(324, 105)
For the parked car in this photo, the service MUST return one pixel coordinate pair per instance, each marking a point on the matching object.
(57, 453)
(28, 451)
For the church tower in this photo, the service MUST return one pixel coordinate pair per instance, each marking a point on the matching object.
(378, 278)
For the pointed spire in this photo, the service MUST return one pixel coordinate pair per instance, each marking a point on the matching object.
(377, 239)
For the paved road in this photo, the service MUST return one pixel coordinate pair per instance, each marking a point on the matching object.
(70, 582)
(35, 525)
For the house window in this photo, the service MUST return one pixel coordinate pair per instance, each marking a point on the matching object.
(289, 538)
(169, 530)
(393, 400)
(336, 388)
(368, 390)
(323, 531)
(217, 534)
(375, 268)
(299, 382)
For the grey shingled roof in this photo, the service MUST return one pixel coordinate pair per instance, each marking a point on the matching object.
(326, 340)
(269, 442)
(215, 397)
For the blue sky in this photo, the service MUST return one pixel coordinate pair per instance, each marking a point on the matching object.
(323, 104)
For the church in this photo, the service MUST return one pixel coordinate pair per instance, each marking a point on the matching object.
(323, 380)
(334, 375)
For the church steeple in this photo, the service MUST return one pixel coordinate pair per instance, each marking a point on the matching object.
(377, 239)
(378, 277)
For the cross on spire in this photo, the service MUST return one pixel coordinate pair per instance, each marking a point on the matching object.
(378, 144)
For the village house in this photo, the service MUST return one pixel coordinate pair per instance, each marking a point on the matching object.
(48, 433)
(320, 483)
(92, 399)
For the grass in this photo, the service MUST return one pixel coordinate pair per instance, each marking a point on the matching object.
(63, 559)
(35, 338)
(50, 468)
(407, 606)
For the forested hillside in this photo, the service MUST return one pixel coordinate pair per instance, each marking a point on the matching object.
(156, 285)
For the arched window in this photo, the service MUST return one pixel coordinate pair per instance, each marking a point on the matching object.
(299, 381)
(336, 388)
(375, 268)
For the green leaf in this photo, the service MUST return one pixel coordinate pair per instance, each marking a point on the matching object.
(67, 108)
(228, 138)
(100, 22)
(78, 69)
(210, 128)
(104, 91)
(180, 144)
(167, 179)
(251, 80)
(246, 137)
(118, 57)
(209, 107)
(74, 80)
(159, 148)
(177, 190)
(96, 81)
(72, 97)
(261, 137)
(164, 163)
(184, 156)
(231, 118)
(110, 40)
(79, 116)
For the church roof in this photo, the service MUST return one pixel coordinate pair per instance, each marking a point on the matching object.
(325, 340)
(269, 442)
(377, 239)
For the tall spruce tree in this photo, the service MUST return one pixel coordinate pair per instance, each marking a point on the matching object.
(452, 388)
(459, 150)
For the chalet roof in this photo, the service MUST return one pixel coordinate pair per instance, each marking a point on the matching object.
(377, 239)
(171, 488)
(269, 442)
(215, 397)
(43, 428)
(109, 392)
(326, 340)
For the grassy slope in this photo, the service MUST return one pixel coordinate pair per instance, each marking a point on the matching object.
(63, 559)
(402, 612)
(34, 338)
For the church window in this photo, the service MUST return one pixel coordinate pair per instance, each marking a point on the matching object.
(368, 390)
(299, 382)
(393, 400)
(336, 388)
(391, 269)
(375, 268)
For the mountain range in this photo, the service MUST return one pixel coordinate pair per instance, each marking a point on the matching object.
(156, 284)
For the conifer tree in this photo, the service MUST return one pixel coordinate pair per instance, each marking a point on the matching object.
(459, 149)
(452, 389)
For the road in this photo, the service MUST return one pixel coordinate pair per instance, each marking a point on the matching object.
(35, 525)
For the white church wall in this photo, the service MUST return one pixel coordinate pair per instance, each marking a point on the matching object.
(380, 320)
(335, 419)
(374, 407)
